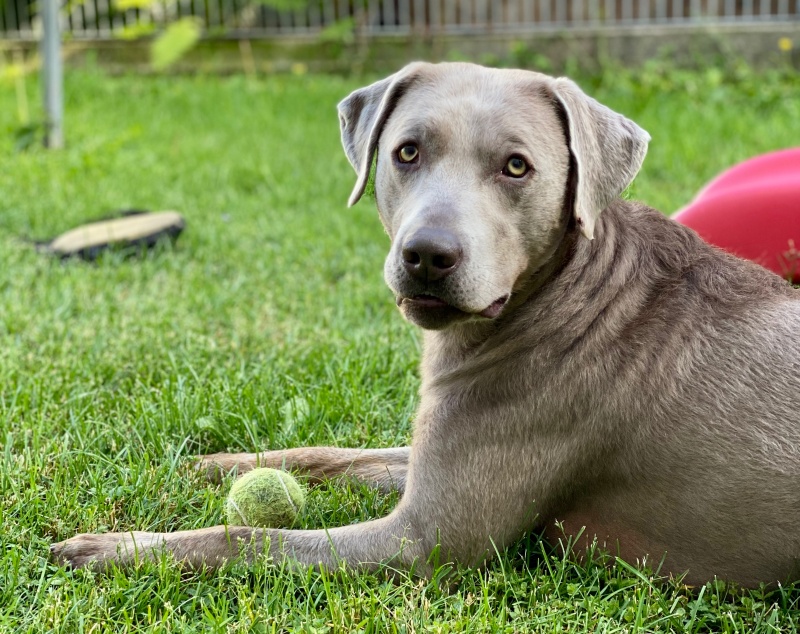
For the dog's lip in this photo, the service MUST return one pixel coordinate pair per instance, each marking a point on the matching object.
(431, 301)
(423, 301)
(495, 308)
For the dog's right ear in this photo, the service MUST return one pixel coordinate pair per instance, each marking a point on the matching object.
(362, 115)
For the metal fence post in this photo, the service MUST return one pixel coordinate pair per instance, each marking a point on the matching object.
(52, 75)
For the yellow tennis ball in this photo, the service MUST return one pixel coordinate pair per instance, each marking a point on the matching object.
(265, 498)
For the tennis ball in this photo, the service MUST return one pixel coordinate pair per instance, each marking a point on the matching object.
(265, 498)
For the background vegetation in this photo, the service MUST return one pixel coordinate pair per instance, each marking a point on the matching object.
(269, 326)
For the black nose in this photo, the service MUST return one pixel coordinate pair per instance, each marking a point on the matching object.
(431, 254)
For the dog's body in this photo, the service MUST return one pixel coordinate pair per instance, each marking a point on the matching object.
(608, 371)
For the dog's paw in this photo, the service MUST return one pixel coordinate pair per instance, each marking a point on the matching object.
(102, 550)
(217, 465)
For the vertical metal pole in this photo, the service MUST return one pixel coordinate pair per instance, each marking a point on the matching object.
(52, 75)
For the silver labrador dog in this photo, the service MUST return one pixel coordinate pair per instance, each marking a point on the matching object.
(590, 367)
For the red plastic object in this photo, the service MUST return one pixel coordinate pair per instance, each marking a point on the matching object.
(753, 211)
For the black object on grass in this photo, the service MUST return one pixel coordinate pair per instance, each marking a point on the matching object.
(132, 232)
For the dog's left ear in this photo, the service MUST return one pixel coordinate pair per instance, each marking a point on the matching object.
(607, 148)
(362, 115)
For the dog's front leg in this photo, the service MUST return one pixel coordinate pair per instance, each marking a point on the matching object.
(448, 502)
(384, 469)
(388, 540)
(469, 487)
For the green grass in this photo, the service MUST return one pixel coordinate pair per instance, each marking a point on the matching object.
(112, 375)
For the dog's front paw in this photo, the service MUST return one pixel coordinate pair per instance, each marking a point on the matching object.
(104, 549)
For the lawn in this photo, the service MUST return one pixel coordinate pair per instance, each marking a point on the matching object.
(269, 325)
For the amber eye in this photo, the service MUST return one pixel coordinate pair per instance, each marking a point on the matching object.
(407, 153)
(516, 167)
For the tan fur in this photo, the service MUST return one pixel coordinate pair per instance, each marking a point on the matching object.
(637, 385)
(385, 469)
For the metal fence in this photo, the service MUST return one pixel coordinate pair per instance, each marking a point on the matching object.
(93, 19)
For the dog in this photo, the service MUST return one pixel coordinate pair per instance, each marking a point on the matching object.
(591, 369)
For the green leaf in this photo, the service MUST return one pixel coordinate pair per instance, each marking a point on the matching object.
(295, 410)
(27, 136)
(341, 31)
(135, 31)
(174, 42)
(124, 5)
(11, 72)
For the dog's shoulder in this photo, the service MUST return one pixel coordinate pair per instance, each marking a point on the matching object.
(673, 255)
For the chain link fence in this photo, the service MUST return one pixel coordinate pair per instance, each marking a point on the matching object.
(103, 19)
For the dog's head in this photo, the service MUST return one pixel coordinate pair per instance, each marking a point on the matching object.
(473, 168)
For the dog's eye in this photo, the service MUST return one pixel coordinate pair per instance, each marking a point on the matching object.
(407, 153)
(516, 167)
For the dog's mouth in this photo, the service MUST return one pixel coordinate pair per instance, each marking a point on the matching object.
(425, 302)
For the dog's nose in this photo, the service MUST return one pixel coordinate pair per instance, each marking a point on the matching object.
(431, 254)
